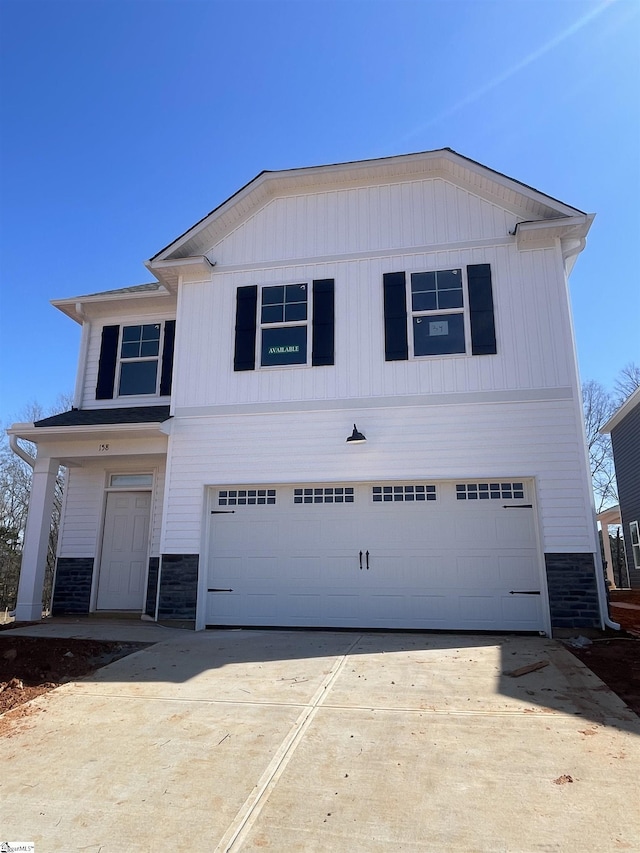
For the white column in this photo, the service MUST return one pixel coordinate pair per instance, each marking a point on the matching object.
(606, 544)
(36, 540)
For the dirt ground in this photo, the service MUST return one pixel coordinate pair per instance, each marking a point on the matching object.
(616, 658)
(31, 666)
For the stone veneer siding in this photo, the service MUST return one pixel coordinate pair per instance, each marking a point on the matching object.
(152, 586)
(178, 586)
(72, 587)
(573, 594)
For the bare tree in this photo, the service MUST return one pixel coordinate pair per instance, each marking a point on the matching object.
(627, 381)
(599, 405)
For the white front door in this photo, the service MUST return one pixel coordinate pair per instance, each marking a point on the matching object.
(124, 551)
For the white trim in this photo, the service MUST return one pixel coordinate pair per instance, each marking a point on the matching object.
(426, 164)
(629, 404)
(401, 401)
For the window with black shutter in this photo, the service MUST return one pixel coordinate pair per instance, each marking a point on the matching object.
(446, 314)
(284, 325)
(136, 360)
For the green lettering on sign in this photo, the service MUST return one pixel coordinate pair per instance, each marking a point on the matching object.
(277, 350)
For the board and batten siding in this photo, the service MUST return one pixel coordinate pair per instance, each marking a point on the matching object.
(365, 219)
(465, 441)
(93, 357)
(535, 348)
(85, 497)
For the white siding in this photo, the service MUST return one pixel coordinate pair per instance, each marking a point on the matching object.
(83, 510)
(363, 219)
(85, 491)
(93, 356)
(532, 328)
(464, 441)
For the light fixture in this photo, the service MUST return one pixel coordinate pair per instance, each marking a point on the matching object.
(356, 437)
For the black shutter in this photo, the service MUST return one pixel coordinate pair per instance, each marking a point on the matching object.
(107, 363)
(483, 328)
(167, 357)
(323, 322)
(396, 347)
(245, 349)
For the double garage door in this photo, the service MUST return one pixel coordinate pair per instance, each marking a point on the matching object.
(448, 556)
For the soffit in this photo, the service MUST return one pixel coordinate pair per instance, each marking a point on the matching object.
(524, 201)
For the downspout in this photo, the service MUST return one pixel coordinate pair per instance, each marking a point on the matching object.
(603, 600)
(20, 451)
(84, 345)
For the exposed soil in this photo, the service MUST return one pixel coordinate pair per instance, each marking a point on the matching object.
(616, 658)
(30, 666)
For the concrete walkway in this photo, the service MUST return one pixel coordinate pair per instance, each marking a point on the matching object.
(325, 741)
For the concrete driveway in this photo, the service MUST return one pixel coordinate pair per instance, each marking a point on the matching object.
(326, 741)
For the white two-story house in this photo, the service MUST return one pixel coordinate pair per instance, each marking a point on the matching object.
(348, 400)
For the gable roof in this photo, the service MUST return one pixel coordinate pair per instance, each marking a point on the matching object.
(629, 404)
(189, 248)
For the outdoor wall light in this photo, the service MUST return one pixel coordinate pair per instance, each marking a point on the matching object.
(356, 437)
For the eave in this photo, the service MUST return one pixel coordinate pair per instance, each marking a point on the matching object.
(30, 432)
(629, 404)
(78, 307)
(527, 202)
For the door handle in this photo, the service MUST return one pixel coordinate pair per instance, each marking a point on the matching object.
(367, 556)
(360, 560)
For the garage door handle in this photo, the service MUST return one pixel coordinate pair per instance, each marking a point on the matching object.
(517, 506)
(367, 556)
(360, 560)
(524, 592)
(222, 511)
(215, 589)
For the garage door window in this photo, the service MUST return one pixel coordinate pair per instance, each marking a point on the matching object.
(489, 491)
(408, 493)
(324, 495)
(246, 497)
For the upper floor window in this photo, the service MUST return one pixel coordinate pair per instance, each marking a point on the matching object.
(139, 354)
(438, 321)
(136, 360)
(283, 325)
(443, 315)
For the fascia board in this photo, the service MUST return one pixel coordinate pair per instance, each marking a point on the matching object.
(575, 227)
(443, 161)
(169, 271)
(622, 412)
(29, 432)
(73, 306)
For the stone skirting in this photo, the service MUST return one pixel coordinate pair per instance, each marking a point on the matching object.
(573, 592)
(178, 586)
(72, 586)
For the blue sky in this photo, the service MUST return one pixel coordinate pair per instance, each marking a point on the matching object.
(123, 123)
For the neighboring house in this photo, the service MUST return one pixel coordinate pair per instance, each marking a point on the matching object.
(624, 428)
(417, 303)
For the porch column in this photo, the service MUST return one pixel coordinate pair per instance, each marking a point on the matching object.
(606, 544)
(36, 540)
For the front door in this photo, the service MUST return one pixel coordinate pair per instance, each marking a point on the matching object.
(124, 551)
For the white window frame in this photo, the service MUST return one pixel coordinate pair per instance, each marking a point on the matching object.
(438, 312)
(634, 537)
(284, 324)
(157, 358)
